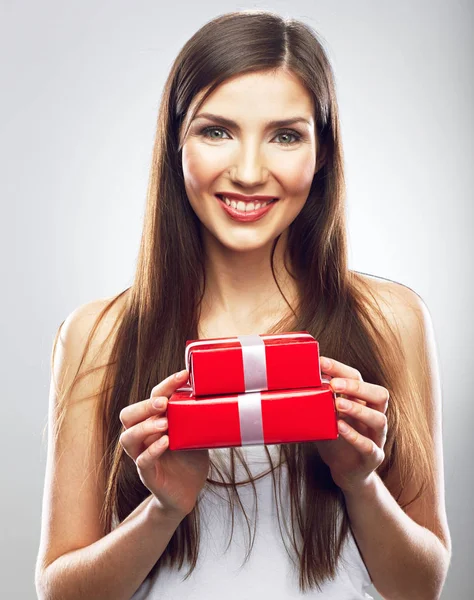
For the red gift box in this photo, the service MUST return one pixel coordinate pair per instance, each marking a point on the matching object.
(253, 363)
(269, 417)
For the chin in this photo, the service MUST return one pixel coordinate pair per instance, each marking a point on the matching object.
(245, 244)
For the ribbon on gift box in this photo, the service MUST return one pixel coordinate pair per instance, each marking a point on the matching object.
(251, 420)
(253, 356)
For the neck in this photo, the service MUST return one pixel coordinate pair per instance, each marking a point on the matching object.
(241, 294)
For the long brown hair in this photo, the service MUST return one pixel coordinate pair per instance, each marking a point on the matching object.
(335, 305)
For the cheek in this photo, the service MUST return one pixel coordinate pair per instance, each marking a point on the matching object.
(199, 169)
(192, 167)
(296, 174)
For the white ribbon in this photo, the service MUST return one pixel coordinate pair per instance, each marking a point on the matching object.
(250, 415)
(255, 363)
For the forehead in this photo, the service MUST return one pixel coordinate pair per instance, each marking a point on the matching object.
(258, 96)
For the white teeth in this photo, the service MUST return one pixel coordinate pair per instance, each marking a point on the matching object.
(245, 206)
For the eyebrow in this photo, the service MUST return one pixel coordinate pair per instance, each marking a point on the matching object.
(269, 125)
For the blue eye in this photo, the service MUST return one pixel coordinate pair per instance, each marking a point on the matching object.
(286, 132)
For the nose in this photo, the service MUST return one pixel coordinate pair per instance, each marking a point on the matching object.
(249, 168)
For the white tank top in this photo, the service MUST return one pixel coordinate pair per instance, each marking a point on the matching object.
(268, 573)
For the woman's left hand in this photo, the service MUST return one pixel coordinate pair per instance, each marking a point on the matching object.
(362, 426)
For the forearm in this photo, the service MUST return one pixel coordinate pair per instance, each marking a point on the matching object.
(114, 566)
(406, 561)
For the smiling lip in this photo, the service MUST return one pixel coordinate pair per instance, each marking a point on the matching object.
(235, 196)
(251, 215)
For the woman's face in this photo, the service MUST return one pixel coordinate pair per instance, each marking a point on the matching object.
(233, 148)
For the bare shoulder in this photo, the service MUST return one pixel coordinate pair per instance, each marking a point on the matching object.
(96, 320)
(82, 349)
(409, 319)
(403, 307)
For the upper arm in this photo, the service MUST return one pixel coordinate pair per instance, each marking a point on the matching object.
(408, 313)
(73, 489)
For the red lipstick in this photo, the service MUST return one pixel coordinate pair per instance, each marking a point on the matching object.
(249, 215)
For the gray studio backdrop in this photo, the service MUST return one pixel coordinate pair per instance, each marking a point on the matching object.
(80, 86)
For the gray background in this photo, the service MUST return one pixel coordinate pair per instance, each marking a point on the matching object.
(80, 86)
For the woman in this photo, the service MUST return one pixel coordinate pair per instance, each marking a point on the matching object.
(245, 233)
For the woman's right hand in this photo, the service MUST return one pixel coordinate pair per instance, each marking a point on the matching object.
(175, 477)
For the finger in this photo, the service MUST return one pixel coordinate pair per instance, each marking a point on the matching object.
(353, 398)
(139, 411)
(373, 394)
(148, 441)
(146, 461)
(170, 384)
(335, 368)
(362, 444)
(133, 439)
(371, 418)
(361, 428)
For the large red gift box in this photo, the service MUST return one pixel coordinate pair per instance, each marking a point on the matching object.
(253, 363)
(269, 417)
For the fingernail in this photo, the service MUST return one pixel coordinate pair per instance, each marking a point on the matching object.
(181, 374)
(338, 384)
(343, 426)
(325, 363)
(158, 403)
(343, 404)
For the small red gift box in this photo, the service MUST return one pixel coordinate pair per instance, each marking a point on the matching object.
(270, 417)
(253, 363)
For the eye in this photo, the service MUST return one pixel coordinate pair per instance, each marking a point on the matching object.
(290, 133)
(207, 130)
